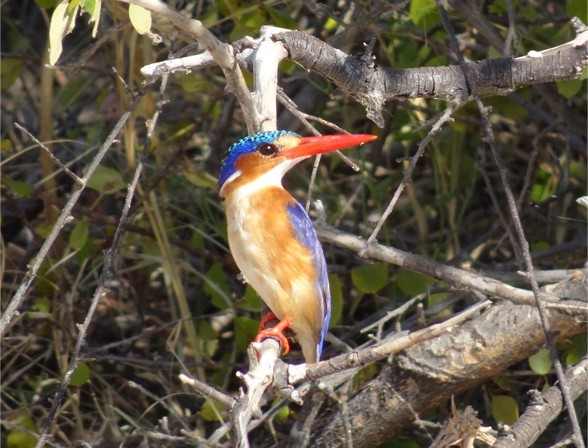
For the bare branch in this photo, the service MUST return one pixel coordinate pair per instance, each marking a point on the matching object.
(262, 357)
(393, 344)
(458, 278)
(372, 86)
(63, 219)
(528, 263)
(435, 129)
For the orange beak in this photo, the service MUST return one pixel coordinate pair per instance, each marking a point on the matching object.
(310, 146)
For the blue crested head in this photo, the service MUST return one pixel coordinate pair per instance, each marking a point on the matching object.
(246, 145)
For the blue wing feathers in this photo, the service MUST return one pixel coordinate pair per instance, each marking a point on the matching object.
(304, 232)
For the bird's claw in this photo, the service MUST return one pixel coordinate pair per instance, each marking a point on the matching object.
(276, 332)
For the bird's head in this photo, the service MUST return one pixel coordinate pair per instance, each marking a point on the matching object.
(271, 154)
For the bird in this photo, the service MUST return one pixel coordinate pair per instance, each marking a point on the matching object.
(272, 238)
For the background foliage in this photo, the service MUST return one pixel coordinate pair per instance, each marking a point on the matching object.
(174, 299)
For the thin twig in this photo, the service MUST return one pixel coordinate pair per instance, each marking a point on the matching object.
(207, 391)
(100, 291)
(55, 159)
(459, 279)
(64, 218)
(223, 54)
(543, 409)
(524, 244)
(444, 118)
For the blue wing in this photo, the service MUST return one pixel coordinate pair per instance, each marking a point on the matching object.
(304, 232)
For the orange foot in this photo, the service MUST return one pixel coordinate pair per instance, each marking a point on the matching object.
(276, 331)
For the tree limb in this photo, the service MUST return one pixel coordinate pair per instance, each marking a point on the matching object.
(457, 278)
(428, 374)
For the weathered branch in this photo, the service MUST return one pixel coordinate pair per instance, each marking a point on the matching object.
(430, 373)
(262, 358)
(389, 346)
(372, 85)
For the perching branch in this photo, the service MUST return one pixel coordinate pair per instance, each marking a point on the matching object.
(267, 371)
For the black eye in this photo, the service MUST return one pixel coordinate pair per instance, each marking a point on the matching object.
(267, 149)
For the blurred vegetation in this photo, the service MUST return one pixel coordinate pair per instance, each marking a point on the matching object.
(173, 298)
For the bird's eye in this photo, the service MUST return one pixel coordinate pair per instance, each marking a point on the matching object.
(267, 149)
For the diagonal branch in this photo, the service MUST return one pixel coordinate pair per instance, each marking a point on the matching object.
(64, 218)
(457, 278)
(223, 54)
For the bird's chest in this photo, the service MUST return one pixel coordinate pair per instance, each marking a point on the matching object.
(263, 245)
(256, 223)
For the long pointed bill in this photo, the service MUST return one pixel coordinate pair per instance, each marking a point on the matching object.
(310, 146)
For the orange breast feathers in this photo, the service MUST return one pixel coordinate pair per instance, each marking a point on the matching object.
(274, 262)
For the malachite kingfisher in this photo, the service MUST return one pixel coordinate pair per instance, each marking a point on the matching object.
(272, 238)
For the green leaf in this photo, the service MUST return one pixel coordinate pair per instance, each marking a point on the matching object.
(250, 300)
(41, 304)
(370, 278)
(545, 184)
(62, 23)
(22, 189)
(207, 337)
(576, 350)
(79, 234)
(10, 71)
(569, 87)
(412, 283)
(81, 375)
(399, 443)
(424, 13)
(281, 20)
(502, 382)
(540, 362)
(47, 4)
(140, 18)
(212, 411)
(336, 299)
(199, 178)
(195, 84)
(106, 180)
(216, 286)
(284, 413)
(505, 409)
(578, 8)
(497, 7)
(18, 438)
(6, 143)
(245, 331)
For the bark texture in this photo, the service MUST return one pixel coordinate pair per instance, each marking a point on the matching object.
(428, 374)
